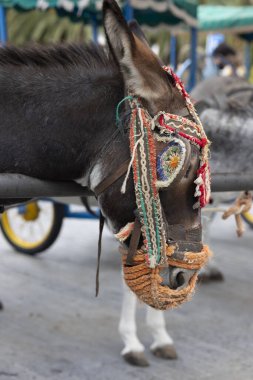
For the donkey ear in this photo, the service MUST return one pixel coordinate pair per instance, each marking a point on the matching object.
(119, 37)
(137, 31)
(140, 67)
(135, 28)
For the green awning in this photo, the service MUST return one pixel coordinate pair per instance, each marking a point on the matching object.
(152, 13)
(68, 5)
(225, 18)
(163, 12)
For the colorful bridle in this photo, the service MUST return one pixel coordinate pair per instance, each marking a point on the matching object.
(153, 172)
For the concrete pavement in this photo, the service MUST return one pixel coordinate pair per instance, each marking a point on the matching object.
(52, 326)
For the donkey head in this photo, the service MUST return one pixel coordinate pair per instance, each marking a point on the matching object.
(144, 77)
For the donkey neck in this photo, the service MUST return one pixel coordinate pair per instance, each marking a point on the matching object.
(57, 108)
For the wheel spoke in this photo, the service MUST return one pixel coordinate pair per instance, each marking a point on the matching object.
(41, 226)
(23, 231)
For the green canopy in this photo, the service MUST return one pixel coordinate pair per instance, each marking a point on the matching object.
(163, 12)
(148, 12)
(225, 18)
(155, 13)
(67, 5)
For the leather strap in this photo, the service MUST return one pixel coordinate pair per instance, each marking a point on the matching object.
(113, 177)
(101, 227)
(86, 204)
(134, 242)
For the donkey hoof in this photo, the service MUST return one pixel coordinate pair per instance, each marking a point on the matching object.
(165, 352)
(216, 275)
(210, 274)
(136, 358)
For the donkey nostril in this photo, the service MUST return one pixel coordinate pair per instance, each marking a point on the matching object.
(176, 278)
(180, 279)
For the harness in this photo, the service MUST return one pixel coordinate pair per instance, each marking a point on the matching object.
(154, 170)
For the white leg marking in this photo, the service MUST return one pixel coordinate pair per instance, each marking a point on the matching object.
(127, 325)
(156, 323)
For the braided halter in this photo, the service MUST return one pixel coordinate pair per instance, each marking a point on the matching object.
(153, 172)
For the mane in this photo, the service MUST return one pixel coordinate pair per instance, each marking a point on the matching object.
(56, 55)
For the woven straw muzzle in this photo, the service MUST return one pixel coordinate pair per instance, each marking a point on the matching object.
(146, 282)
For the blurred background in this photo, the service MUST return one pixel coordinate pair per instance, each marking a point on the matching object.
(164, 22)
(53, 327)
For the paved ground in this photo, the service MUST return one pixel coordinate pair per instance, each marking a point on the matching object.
(52, 327)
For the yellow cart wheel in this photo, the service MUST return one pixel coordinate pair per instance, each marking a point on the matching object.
(248, 217)
(33, 227)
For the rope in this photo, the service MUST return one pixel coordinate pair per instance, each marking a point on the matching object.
(123, 188)
(146, 282)
(129, 97)
(142, 146)
(242, 204)
(101, 227)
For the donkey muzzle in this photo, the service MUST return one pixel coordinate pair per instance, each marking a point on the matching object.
(164, 287)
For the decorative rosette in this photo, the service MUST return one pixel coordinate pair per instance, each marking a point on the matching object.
(170, 162)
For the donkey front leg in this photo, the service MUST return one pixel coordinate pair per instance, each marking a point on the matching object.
(133, 351)
(163, 345)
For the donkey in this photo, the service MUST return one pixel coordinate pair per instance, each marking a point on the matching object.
(57, 111)
(225, 106)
